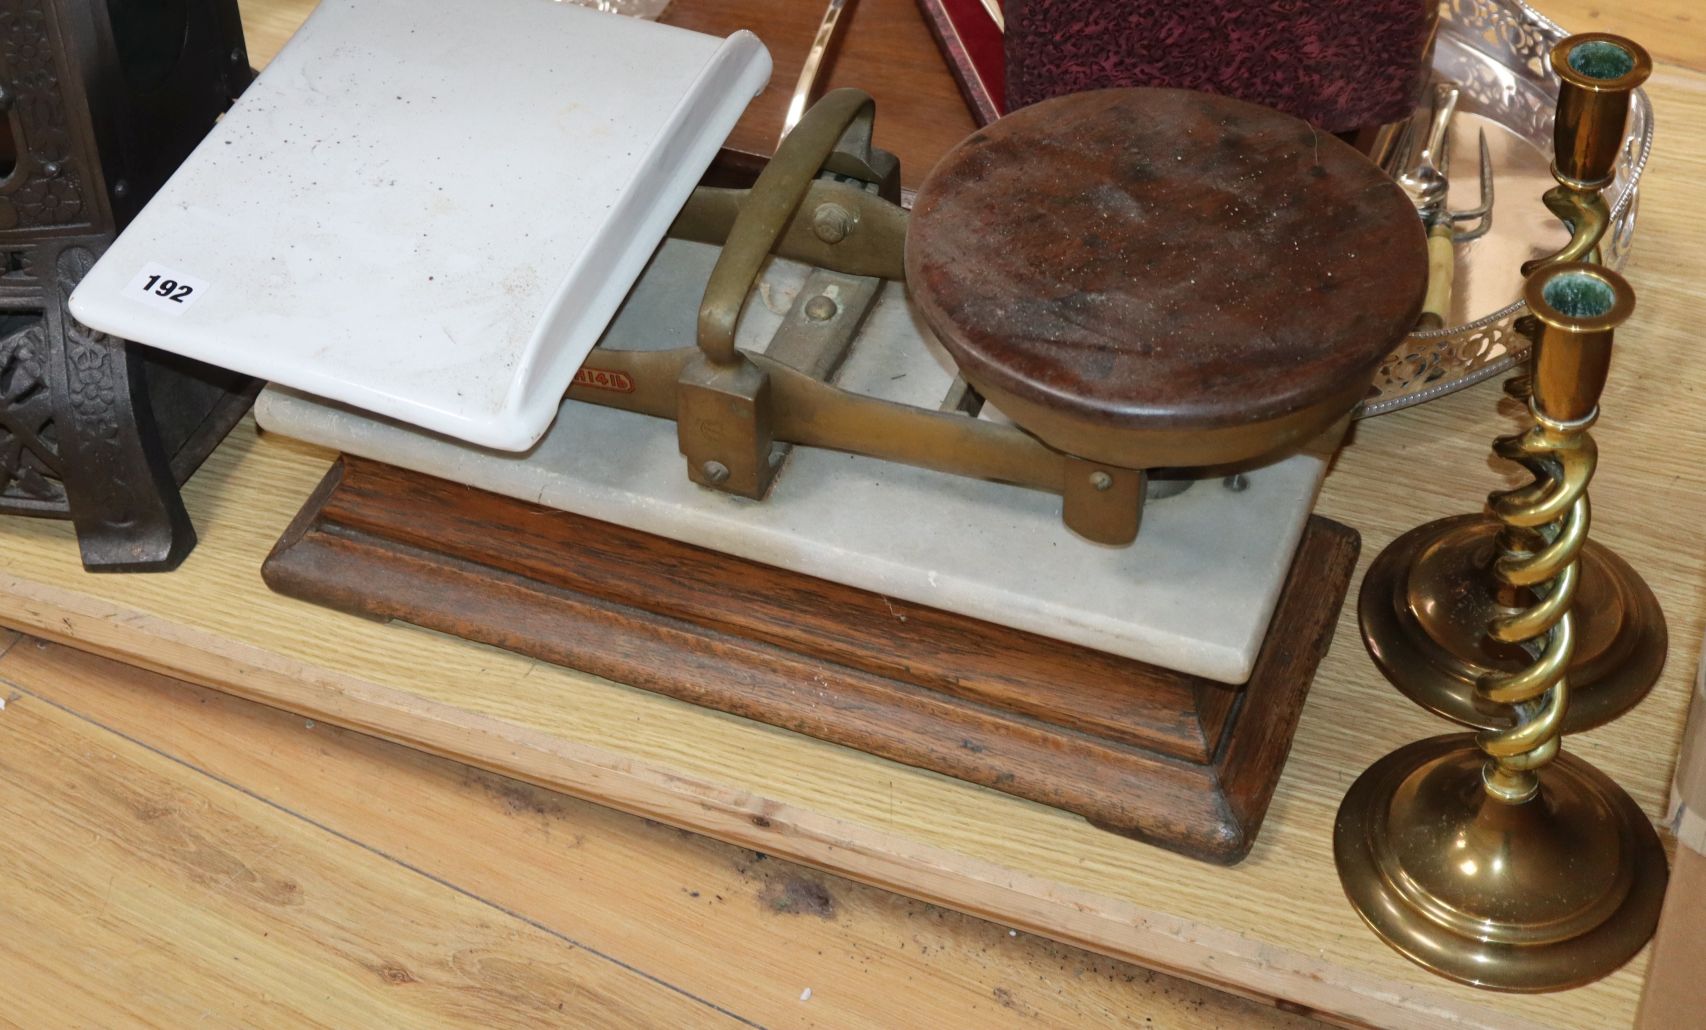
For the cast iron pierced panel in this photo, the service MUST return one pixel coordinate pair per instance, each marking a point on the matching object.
(101, 100)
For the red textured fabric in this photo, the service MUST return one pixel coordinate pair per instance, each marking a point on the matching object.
(1339, 64)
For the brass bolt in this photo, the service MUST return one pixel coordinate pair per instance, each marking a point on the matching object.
(832, 222)
(715, 471)
(821, 308)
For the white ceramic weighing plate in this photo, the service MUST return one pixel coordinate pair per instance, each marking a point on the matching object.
(429, 209)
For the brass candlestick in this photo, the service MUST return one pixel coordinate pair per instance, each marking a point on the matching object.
(1494, 859)
(1428, 599)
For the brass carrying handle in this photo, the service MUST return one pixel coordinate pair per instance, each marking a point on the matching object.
(769, 208)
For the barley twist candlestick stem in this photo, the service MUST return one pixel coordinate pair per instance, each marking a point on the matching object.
(1552, 515)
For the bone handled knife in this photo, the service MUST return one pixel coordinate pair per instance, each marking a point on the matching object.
(1426, 178)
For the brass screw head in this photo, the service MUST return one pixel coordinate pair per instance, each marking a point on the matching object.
(715, 471)
(821, 308)
(832, 223)
(1101, 480)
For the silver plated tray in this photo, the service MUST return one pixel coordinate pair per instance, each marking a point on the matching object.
(1497, 50)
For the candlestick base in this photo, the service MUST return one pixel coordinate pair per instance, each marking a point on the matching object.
(1544, 895)
(1426, 601)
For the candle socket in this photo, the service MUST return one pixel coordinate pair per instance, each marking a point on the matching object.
(1597, 72)
(1576, 310)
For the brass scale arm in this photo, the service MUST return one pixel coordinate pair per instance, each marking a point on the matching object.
(816, 414)
(829, 199)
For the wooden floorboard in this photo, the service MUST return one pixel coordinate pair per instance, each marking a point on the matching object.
(141, 892)
(744, 932)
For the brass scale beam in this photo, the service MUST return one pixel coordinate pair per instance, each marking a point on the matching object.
(827, 199)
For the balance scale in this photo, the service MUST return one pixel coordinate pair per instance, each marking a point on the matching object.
(1014, 485)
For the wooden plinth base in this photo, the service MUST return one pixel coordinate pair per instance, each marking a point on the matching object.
(1171, 759)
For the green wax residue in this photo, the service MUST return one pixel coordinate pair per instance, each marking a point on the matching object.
(1579, 295)
(1598, 59)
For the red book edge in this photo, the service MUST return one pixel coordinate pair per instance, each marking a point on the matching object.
(973, 46)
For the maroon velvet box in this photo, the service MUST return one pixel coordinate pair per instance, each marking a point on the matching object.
(1340, 64)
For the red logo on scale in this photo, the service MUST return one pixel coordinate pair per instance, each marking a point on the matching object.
(601, 379)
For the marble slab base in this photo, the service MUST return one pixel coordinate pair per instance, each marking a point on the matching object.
(1194, 593)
